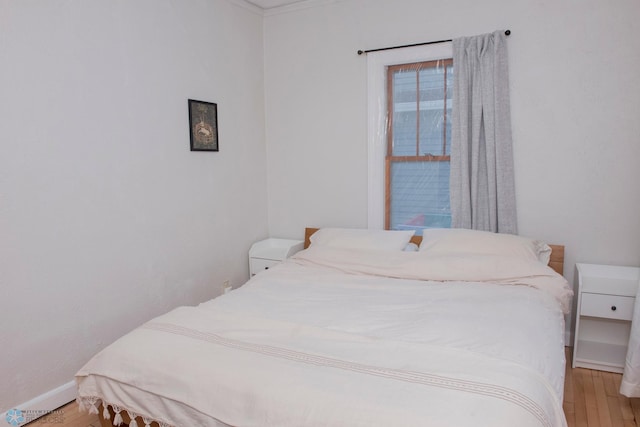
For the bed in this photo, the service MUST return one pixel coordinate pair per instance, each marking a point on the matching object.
(355, 330)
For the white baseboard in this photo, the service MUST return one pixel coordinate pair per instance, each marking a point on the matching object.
(45, 403)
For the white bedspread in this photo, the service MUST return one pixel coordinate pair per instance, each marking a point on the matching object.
(307, 344)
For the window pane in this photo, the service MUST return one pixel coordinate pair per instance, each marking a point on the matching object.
(449, 104)
(447, 150)
(404, 133)
(449, 82)
(431, 84)
(420, 195)
(404, 86)
(432, 110)
(404, 113)
(431, 131)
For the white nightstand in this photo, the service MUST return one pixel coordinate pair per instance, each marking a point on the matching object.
(606, 296)
(269, 252)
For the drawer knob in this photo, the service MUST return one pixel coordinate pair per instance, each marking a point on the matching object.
(266, 268)
(614, 308)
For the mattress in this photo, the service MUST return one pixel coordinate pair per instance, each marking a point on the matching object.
(332, 339)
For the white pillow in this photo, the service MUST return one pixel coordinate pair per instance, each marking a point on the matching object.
(453, 241)
(352, 238)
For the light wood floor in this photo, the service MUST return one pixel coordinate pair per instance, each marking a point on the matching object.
(71, 417)
(591, 399)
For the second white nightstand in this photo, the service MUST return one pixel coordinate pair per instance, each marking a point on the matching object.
(606, 297)
(269, 252)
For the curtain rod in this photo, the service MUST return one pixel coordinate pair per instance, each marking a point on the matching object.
(360, 52)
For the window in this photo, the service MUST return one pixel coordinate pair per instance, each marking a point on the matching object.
(419, 97)
(378, 63)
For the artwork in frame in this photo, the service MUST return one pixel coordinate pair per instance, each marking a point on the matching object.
(203, 125)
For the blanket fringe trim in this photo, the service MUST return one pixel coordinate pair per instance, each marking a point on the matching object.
(91, 404)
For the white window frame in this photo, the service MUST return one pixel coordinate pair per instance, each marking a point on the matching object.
(377, 63)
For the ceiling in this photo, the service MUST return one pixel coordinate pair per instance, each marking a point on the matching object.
(268, 4)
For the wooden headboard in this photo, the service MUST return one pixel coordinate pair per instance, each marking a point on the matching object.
(556, 262)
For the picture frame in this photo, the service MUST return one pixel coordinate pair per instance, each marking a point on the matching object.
(203, 125)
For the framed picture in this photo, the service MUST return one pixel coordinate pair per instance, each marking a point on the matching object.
(203, 125)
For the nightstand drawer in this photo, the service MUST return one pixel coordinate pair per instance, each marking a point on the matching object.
(607, 306)
(257, 265)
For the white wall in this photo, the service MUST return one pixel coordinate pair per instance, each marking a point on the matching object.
(106, 218)
(575, 103)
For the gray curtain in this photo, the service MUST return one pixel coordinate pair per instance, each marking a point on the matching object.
(630, 385)
(482, 184)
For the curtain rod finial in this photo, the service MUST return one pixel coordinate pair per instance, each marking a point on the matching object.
(360, 52)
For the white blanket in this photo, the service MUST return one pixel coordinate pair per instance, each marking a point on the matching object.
(310, 345)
